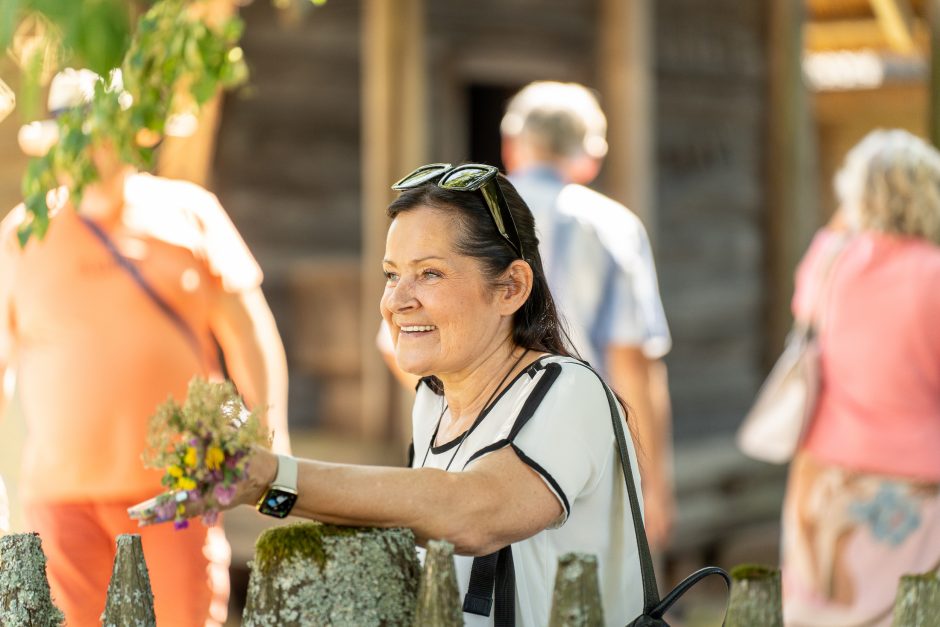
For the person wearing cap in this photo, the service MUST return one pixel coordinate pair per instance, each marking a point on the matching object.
(599, 266)
(117, 308)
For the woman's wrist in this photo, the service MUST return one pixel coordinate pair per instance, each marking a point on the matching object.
(261, 472)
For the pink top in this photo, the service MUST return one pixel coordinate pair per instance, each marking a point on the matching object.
(879, 406)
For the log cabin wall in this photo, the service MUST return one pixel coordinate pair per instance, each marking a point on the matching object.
(711, 121)
(288, 171)
(479, 53)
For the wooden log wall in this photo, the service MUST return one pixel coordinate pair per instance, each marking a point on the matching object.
(711, 123)
(287, 169)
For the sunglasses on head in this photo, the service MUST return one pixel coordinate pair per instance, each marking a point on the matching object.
(470, 177)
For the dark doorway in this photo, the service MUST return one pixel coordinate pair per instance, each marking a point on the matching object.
(486, 105)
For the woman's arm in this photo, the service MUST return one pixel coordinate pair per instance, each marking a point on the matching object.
(254, 354)
(498, 501)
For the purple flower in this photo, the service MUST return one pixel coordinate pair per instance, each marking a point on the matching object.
(180, 524)
(165, 510)
(210, 517)
(223, 494)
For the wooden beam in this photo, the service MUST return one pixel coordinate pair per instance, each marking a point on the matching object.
(394, 141)
(837, 9)
(191, 157)
(793, 213)
(933, 17)
(897, 20)
(856, 35)
(626, 84)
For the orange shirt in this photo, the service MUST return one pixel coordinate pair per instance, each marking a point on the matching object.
(94, 355)
(879, 404)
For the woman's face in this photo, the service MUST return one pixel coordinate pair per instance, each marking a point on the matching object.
(443, 315)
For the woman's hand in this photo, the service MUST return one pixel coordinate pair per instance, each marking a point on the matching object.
(260, 472)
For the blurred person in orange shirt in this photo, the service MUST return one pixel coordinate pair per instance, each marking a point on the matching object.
(117, 308)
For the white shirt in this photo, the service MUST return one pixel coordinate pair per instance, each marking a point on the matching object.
(599, 264)
(569, 441)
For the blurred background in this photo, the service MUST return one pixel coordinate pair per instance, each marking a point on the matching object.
(726, 118)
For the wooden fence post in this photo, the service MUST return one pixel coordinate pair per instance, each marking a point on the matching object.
(755, 597)
(576, 601)
(918, 601)
(130, 598)
(25, 600)
(314, 574)
(438, 597)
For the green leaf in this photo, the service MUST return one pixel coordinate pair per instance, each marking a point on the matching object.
(24, 232)
(9, 16)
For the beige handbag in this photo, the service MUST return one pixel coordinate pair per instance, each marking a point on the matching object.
(786, 402)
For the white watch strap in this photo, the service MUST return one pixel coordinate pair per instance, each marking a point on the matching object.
(286, 472)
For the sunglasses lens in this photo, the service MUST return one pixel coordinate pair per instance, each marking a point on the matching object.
(422, 175)
(467, 178)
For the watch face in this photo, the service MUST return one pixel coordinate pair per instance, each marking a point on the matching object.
(277, 502)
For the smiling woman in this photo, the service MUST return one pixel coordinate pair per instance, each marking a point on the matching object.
(515, 457)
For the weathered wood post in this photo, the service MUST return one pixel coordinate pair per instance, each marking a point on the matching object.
(755, 597)
(438, 596)
(576, 601)
(918, 601)
(313, 574)
(25, 600)
(130, 599)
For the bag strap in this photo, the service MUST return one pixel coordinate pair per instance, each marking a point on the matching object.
(496, 569)
(128, 266)
(653, 607)
(647, 574)
(825, 273)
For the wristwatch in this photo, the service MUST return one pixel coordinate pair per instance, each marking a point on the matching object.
(281, 495)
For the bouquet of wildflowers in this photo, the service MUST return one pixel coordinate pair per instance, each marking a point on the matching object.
(203, 446)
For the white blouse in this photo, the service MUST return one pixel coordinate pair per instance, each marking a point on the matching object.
(569, 441)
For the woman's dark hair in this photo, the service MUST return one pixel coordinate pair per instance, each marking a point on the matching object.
(536, 325)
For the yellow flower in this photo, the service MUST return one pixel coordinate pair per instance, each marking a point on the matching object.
(180, 509)
(185, 483)
(214, 458)
(191, 458)
(175, 471)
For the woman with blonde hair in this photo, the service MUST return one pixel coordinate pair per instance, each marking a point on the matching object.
(863, 499)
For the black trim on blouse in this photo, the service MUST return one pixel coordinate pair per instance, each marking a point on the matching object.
(530, 370)
(531, 463)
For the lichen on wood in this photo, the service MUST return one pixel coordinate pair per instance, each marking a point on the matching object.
(917, 603)
(755, 597)
(438, 596)
(576, 601)
(25, 600)
(130, 598)
(317, 574)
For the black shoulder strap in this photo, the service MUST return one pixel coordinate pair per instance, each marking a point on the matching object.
(128, 266)
(653, 608)
(494, 572)
(650, 590)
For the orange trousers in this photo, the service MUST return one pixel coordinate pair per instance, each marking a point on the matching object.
(188, 568)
